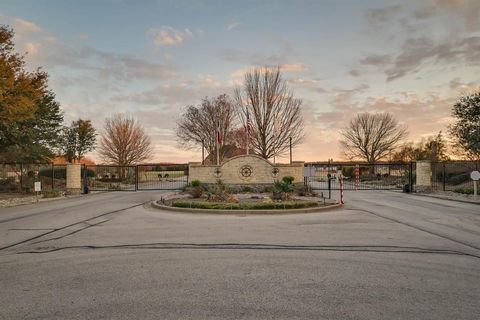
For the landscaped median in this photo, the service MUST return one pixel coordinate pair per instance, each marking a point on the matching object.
(248, 204)
(192, 206)
(218, 198)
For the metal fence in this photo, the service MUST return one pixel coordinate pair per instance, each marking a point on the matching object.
(360, 176)
(137, 177)
(453, 175)
(21, 177)
(162, 177)
(109, 178)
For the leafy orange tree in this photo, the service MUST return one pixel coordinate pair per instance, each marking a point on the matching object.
(30, 118)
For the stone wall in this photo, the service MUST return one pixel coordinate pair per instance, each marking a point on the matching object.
(246, 169)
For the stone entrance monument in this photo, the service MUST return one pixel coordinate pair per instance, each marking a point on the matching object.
(245, 169)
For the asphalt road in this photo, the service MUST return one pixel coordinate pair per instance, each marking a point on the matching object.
(385, 255)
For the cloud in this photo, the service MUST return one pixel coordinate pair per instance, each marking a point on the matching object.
(168, 36)
(304, 82)
(383, 15)
(423, 114)
(233, 25)
(376, 60)
(178, 94)
(354, 73)
(24, 26)
(458, 86)
(415, 52)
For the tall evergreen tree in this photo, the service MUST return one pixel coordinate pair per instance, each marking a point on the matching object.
(30, 118)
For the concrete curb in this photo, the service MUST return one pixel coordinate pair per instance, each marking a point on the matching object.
(445, 198)
(157, 205)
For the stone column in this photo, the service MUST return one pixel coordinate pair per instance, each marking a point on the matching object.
(74, 178)
(424, 176)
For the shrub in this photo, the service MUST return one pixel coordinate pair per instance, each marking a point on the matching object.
(244, 205)
(459, 178)
(282, 190)
(247, 189)
(219, 192)
(464, 190)
(9, 184)
(288, 179)
(304, 190)
(195, 192)
(51, 193)
(196, 183)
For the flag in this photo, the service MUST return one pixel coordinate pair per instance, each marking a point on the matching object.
(219, 133)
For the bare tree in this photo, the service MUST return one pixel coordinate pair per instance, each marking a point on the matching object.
(275, 115)
(371, 137)
(124, 141)
(199, 123)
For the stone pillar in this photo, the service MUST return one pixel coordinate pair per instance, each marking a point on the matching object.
(74, 178)
(424, 176)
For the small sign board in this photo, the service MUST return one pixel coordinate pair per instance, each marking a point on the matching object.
(38, 186)
(475, 175)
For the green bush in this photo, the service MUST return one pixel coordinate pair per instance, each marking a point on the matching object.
(288, 179)
(196, 183)
(244, 205)
(247, 189)
(464, 190)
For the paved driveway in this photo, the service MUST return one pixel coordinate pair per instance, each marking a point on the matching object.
(385, 255)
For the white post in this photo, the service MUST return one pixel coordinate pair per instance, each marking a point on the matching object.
(475, 189)
(475, 176)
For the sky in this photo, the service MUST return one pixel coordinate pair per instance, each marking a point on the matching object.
(151, 59)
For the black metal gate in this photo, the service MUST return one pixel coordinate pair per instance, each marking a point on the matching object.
(136, 177)
(162, 176)
(110, 178)
(360, 176)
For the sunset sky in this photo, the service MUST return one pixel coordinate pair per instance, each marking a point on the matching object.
(152, 58)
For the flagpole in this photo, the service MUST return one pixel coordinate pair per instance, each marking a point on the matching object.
(218, 142)
(247, 131)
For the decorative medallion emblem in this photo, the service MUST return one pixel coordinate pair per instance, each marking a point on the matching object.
(275, 172)
(217, 172)
(246, 171)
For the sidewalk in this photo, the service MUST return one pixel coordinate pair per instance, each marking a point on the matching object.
(450, 195)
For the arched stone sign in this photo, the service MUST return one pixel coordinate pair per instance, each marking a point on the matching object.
(246, 169)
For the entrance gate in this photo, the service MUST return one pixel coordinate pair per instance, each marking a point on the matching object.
(359, 176)
(137, 177)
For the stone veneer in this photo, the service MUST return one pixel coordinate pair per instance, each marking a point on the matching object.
(74, 179)
(245, 169)
(423, 173)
